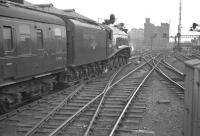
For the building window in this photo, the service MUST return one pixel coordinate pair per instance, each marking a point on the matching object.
(7, 38)
(40, 38)
(164, 35)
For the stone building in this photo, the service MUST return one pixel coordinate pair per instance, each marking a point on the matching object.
(137, 37)
(156, 36)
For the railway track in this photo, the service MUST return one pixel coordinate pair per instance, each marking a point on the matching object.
(196, 55)
(23, 119)
(113, 104)
(181, 57)
(109, 104)
(77, 121)
(54, 108)
(172, 77)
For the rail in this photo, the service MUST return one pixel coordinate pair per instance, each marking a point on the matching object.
(129, 102)
(62, 126)
(34, 129)
(102, 99)
(175, 69)
(167, 77)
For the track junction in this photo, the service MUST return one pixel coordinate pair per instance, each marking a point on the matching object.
(111, 104)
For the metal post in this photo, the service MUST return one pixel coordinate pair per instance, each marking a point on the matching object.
(151, 42)
(179, 26)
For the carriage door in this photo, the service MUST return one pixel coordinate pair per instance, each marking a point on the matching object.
(41, 49)
(7, 60)
(69, 46)
(109, 44)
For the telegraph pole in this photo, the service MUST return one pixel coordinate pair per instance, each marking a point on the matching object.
(179, 26)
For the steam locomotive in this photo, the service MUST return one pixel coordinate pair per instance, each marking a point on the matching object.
(40, 49)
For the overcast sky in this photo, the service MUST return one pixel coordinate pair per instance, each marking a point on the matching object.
(134, 12)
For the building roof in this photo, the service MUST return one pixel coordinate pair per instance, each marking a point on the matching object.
(49, 8)
(9, 10)
(69, 13)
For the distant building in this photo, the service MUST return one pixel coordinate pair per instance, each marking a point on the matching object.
(196, 41)
(156, 36)
(137, 37)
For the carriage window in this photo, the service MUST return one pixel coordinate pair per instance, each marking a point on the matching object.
(110, 35)
(25, 38)
(7, 38)
(58, 39)
(25, 33)
(40, 38)
(58, 33)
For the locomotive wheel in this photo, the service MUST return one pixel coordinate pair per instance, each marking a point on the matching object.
(92, 70)
(86, 72)
(4, 107)
(121, 61)
(124, 60)
(111, 64)
(117, 62)
(97, 69)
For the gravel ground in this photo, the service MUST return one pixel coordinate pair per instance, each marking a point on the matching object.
(176, 63)
(164, 115)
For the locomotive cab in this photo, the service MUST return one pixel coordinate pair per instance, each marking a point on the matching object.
(119, 42)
